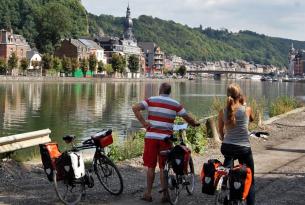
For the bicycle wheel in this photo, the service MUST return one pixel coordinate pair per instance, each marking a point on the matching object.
(221, 193)
(190, 177)
(172, 185)
(108, 175)
(69, 192)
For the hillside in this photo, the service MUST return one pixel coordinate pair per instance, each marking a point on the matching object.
(44, 22)
(198, 43)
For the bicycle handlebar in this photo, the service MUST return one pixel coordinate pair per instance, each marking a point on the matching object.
(259, 134)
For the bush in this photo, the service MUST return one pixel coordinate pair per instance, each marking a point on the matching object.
(282, 105)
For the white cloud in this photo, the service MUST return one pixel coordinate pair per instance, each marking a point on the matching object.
(282, 18)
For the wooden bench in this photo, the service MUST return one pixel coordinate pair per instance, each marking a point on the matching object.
(24, 140)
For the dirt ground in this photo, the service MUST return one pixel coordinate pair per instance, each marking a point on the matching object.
(279, 165)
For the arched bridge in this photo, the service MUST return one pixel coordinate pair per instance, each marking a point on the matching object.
(218, 72)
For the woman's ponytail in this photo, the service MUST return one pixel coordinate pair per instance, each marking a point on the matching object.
(231, 121)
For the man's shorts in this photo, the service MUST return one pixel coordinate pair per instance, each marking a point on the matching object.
(151, 155)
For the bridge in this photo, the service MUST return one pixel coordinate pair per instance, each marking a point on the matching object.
(223, 71)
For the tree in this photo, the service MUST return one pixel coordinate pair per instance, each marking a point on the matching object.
(3, 66)
(181, 70)
(133, 63)
(24, 64)
(66, 64)
(92, 62)
(57, 64)
(12, 61)
(101, 66)
(118, 63)
(74, 64)
(84, 64)
(109, 69)
(47, 61)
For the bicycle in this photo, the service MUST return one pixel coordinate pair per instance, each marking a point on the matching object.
(222, 192)
(174, 182)
(71, 190)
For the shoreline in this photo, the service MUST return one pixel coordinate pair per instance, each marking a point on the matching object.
(78, 80)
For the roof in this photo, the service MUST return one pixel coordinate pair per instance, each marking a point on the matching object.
(90, 44)
(31, 53)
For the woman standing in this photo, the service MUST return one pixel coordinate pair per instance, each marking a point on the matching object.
(233, 123)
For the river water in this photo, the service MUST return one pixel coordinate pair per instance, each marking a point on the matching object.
(83, 108)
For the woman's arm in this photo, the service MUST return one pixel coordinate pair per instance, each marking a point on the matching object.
(221, 125)
(250, 114)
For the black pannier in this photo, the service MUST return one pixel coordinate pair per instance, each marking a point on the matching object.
(209, 177)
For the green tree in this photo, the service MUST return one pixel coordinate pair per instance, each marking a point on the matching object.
(24, 64)
(12, 61)
(47, 61)
(109, 70)
(101, 66)
(92, 62)
(57, 64)
(118, 63)
(3, 66)
(74, 64)
(181, 70)
(66, 64)
(84, 64)
(133, 63)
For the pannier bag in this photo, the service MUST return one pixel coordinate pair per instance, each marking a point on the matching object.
(240, 179)
(209, 178)
(103, 138)
(49, 153)
(179, 157)
(70, 166)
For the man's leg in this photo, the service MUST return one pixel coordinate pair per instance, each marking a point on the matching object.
(150, 180)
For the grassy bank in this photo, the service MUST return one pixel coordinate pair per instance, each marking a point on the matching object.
(282, 105)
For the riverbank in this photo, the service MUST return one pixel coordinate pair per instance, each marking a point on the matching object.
(72, 79)
(280, 170)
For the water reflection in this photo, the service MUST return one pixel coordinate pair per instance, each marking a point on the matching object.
(82, 108)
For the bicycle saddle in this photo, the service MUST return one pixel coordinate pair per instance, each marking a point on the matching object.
(69, 138)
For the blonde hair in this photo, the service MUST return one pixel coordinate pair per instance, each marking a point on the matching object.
(234, 94)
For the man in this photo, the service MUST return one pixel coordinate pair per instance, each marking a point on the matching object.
(162, 111)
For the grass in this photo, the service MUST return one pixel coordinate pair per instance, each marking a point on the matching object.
(282, 105)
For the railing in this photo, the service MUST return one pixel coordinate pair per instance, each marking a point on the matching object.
(25, 140)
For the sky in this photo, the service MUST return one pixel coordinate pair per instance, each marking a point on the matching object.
(277, 18)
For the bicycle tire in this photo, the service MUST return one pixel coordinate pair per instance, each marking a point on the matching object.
(190, 177)
(63, 188)
(172, 189)
(104, 168)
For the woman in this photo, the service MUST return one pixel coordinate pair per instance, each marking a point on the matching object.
(233, 123)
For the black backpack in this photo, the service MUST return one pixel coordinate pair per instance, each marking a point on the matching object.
(179, 157)
(208, 179)
(240, 180)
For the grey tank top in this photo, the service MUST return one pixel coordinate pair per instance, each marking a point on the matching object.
(238, 135)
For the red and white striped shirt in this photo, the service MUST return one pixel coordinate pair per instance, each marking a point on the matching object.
(162, 112)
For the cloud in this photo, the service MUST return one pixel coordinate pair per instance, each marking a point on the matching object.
(280, 18)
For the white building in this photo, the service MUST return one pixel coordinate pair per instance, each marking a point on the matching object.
(34, 58)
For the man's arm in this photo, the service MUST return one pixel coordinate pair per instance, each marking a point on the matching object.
(221, 125)
(137, 108)
(190, 120)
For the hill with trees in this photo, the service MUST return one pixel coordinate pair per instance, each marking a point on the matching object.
(45, 22)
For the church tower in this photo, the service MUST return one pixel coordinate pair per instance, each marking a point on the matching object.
(291, 57)
(128, 24)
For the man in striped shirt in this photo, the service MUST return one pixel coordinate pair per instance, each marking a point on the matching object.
(162, 111)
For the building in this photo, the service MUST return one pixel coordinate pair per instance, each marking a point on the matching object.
(296, 62)
(154, 57)
(34, 58)
(80, 49)
(13, 43)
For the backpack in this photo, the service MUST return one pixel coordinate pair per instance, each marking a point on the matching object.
(70, 166)
(49, 153)
(179, 157)
(209, 178)
(240, 180)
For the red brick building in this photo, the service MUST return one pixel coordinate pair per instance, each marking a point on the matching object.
(12, 43)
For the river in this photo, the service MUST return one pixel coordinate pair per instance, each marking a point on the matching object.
(83, 108)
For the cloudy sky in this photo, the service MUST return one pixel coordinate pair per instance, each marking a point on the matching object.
(279, 18)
